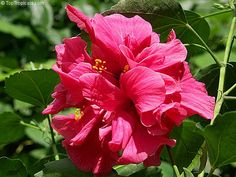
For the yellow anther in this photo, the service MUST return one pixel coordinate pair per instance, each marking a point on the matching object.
(78, 114)
(99, 65)
(126, 68)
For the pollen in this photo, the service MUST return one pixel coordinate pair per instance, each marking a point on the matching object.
(126, 68)
(99, 65)
(78, 114)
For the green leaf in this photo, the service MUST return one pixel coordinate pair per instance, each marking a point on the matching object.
(127, 170)
(61, 168)
(18, 31)
(12, 168)
(210, 76)
(165, 15)
(199, 24)
(34, 87)
(221, 140)
(188, 143)
(10, 128)
(166, 169)
(136, 170)
(169, 9)
(38, 137)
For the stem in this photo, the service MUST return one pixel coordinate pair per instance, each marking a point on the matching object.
(170, 155)
(54, 148)
(230, 97)
(176, 171)
(29, 125)
(216, 13)
(211, 172)
(220, 98)
(205, 45)
(201, 174)
(175, 168)
(230, 89)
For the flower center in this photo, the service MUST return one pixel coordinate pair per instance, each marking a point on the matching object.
(99, 65)
(78, 114)
(126, 68)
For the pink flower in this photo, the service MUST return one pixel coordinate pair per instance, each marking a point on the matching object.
(132, 91)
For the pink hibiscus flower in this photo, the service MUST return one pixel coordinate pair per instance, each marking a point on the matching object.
(139, 89)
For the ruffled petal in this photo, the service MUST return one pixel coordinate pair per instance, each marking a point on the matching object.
(172, 51)
(122, 129)
(135, 33)
(93, 155)
(194, 95)
(72, 85)
(74, 129)
(99, 91)
(72, 52)
(76, 16)
(138, 150)
(144, 87)
(59, 102)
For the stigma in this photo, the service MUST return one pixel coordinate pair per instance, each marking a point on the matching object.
(99, 65)
(78, 114)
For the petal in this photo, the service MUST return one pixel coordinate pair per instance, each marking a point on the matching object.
(66, 126)
(59, 102)
(144, 87)
(92, 156)
(154, 160)
(138, 150)
(148, 118)
(172, 51)
(155, 38)
(98, 90)
(171, 36)
(170, 84)
(72, 52)
(72, 85)
(82, 21)
(122, 128)
(56, 106)
(194, 96)
(127, 53)
(111, 56)
(73, 130)
(135, 33)
(80, 69)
